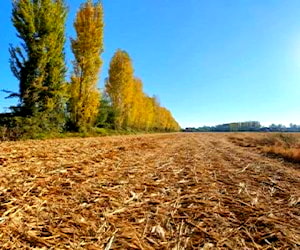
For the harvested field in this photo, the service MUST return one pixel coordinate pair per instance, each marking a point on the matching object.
(164, 191)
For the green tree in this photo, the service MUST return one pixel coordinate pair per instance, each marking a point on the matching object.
(38, 63)
(87, 48)
(119, 87)
(106, 115)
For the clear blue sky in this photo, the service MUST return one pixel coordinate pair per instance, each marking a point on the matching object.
(209, 61)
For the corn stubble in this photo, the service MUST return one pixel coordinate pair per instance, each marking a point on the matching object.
(164, 191)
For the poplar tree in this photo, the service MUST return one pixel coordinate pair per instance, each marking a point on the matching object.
(38, 63)
(133, 108)
(87, 48)
(119, 87)
(136, 104)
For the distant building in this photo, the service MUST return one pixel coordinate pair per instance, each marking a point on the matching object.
(190, 130)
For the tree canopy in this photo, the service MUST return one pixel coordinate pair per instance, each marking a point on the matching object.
(39, 63)
(48, 102)
(87, 48)
(134, 108)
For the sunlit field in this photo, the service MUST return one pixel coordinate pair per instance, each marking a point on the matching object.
(163, 191)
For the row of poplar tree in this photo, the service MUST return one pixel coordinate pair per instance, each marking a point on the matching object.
(56, 104)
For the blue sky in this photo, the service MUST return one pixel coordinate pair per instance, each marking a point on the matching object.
(209, 61)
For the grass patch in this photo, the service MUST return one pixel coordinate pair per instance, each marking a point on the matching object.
(290, 154)
(13, 134)
(284, 145)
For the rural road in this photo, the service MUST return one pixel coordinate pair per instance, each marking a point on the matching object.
(160, 191)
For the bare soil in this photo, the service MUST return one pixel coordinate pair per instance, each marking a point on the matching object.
(163, 191)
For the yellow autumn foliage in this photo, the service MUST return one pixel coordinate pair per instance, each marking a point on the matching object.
(119, 87)
(134, 109)
(87, 48)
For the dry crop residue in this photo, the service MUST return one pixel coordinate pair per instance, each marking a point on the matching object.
(164, 191)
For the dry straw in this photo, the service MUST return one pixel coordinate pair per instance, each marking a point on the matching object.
(176, 191)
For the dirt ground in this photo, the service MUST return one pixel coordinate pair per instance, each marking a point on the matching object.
(164, 191)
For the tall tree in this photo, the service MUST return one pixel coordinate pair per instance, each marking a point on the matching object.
(87, 48)
(119, 87)
(136, 107)
(39, 63)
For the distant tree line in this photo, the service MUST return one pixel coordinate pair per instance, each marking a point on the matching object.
(48, 102)
(250, 126)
